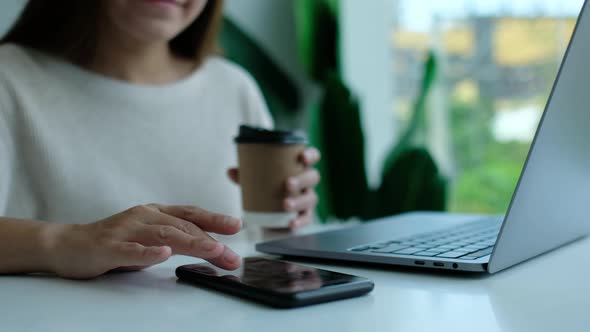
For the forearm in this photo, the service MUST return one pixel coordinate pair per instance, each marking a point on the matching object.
(25, 246)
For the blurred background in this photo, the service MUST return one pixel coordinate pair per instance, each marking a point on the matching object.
(415, 104)
(499, 61)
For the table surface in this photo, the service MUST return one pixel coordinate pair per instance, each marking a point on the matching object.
(549, 293)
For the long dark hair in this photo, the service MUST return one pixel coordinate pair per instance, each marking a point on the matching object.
(69, 29)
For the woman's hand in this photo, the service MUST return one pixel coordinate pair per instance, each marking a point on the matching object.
(302, 185)
(140, 237)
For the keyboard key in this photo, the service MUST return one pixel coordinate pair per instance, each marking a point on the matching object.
(439, 250)
(452, 254)
(427, 253)
(449, 246)
(463, 249)
(482, 253)
(408, 251)
(390, 248)
(423, 246)
(477, 239)
(468, 257)
(361, 248)
(475, 247)
(379, 246)
(410, 243)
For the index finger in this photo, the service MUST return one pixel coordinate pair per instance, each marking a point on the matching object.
(310, 156)
(206, 220)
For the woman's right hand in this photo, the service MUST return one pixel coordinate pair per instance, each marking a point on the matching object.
(139, 237)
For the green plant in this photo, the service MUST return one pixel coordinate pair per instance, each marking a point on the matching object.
(337, 132)
(410, 179)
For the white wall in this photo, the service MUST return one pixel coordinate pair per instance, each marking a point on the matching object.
(367, 64)
(271, 24)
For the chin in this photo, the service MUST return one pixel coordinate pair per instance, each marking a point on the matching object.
(157, 32)
(152, 20)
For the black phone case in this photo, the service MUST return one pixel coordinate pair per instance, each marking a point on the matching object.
(329, 293)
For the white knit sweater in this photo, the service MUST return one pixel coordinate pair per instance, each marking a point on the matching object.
(76, 146)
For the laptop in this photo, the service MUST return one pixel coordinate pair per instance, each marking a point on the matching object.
(550, 206)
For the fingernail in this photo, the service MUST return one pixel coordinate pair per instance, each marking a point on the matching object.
(165, 250)
(231, 257)
(292, 183)
(289, 204)
(159, 251)
(230, 222)
(209, 245)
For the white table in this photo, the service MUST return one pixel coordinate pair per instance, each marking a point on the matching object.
(550, 293)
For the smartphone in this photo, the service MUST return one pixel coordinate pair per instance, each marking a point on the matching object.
(277, 283)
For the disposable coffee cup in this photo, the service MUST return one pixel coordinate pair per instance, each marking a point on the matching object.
(267, 158)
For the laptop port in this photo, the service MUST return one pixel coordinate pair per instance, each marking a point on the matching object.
(419, 262)
(439, 264)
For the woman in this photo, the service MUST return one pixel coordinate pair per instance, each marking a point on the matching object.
(107, 105)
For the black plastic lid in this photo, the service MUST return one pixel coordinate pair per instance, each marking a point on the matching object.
(250, 134)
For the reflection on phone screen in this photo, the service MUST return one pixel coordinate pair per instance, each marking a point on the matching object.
(274, 275)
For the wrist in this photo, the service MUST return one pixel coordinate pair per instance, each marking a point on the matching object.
(50, 238)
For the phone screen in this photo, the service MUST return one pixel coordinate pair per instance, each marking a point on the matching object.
(275, 276)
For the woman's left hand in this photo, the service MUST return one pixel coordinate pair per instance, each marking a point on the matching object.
(302, 185)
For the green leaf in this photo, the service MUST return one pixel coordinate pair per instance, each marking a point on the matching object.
(418, 114)
(316, 24)
(342, 144)
(412, 183)
(411, 180)
(324, 207)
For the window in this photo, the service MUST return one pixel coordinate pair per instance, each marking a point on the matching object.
(497, 61)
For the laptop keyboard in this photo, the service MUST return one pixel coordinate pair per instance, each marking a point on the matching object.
(466, 242)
